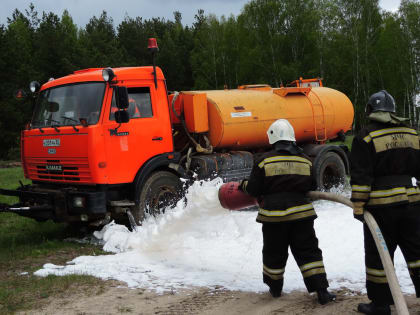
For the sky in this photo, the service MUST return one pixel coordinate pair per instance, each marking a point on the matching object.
(82, 10)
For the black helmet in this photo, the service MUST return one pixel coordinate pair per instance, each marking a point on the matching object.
(381, 101)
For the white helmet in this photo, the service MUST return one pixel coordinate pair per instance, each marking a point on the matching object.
(281, 129)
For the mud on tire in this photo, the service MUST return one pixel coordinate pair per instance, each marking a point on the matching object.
(329, 170)
(161, 190)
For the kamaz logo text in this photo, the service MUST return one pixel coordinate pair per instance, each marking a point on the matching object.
(53, 167)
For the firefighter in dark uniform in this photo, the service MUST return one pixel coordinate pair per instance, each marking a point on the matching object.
(280, 179)
(384, 159)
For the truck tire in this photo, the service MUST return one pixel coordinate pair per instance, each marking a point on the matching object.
(161, 189)
(329, 171)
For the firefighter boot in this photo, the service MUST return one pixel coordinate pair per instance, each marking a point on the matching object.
(275, 293)
(324, 296)
(373, 309)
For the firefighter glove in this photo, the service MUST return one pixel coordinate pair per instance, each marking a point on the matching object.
(242, 185)
(358, 210)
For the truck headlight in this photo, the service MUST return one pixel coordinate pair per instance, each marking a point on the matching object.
(79, 202)
(108, 74)
(34, 86)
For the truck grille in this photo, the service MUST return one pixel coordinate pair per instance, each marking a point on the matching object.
(61, 170)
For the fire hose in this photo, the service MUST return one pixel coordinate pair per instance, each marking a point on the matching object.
(232, 198)
(370, 221)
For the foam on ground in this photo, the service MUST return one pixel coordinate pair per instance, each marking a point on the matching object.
(202, 244)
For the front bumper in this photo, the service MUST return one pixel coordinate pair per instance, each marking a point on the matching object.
(60, 205)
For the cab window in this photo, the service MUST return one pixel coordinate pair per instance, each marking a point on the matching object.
(140, 104)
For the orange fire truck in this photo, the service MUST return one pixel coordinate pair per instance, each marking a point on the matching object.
(106, 142)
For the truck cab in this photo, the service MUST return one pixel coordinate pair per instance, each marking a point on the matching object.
(75, 142)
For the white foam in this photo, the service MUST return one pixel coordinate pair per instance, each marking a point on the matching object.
(202, 244)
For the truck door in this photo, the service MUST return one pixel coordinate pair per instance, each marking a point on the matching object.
(147, 134)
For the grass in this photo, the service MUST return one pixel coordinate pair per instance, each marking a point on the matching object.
(25, 246)
(9, 163)
(9, 179)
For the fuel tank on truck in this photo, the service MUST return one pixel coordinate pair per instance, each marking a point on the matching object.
(240, 118)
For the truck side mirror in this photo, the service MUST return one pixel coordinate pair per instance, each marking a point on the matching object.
(121, 97)
(121, 116)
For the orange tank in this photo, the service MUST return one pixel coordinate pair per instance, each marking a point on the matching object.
(240, 118)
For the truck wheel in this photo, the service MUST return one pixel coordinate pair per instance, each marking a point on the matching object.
(329, 171)
(161, 190)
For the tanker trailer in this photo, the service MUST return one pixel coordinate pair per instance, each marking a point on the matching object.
(229, 127)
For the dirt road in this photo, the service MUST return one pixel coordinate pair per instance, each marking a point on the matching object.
(216, 301)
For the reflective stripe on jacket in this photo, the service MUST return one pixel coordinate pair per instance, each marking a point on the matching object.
(281, 180)
(384, 159)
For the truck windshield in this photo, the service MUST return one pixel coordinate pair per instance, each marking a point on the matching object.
(65, 105)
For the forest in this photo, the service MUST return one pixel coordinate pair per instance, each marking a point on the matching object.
(354, 45)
